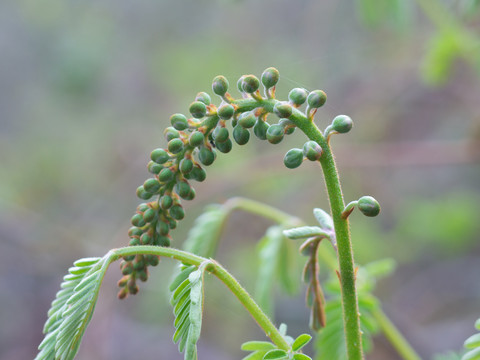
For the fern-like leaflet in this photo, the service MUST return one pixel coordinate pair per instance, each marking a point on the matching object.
(264, 350)
(473, 345)
(187, 302)
(72, 309)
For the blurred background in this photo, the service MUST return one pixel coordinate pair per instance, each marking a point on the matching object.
(87, 87)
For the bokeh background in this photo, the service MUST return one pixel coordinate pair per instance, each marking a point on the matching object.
(87, 87)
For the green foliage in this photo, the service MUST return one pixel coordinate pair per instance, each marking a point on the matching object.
(203, 237)
(187, 300)
(72, 309)
(472, 344)
(276, 263)
(263, 350)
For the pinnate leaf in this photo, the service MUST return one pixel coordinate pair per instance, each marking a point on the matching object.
(305, 232)
(72, 309)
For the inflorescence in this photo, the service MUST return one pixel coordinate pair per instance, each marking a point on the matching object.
(193, 143)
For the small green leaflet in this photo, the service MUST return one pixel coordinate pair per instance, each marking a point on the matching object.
(323, 218)
(203, 237)
(473, 345)
(301, 341)
(72, 309)
(275, 355)
(187, 300)
(305, 232)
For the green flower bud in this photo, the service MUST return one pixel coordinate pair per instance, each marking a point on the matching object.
(206, 156)
(137, 220)
(129, 257)
(241, 135)
(142, 207)
(247, 120)
(134, 231)
(175, 146)
(171, 133)
(225, 111)
(288, 126)
(145, 239)
(166, 202)
(312, 150)
(185, 166)
(132, 286)
(220, 85)
(152, 260)
(142, 275)
(368, 206)
(179, 121)
(240, 83)
(182, 188)
(224, 147)
(198, 109)
(138, 263)
(204, 98)
(298, 96)
(220, 134)
(162, 228)
(164, 241)
(270, 77)
(342, 124)
(293, 158)
(190, 195)
(143, 194)
(316, 98)
(250, 84)
(275, 133)
(152, 185)
(126, 268)
(165, 175)
(149, 215)
(160, 156)
(134, 242)
(177, 212)
(198, 173)
(172, 223)
(154, 168)
(196, 138)
(260, 129)
(283, 110)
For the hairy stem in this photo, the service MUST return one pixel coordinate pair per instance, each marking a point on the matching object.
(215, 268)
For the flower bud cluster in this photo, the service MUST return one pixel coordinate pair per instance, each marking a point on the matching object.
(192, 144)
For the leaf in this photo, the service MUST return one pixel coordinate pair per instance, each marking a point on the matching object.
(301, 341)
(472, 342)
(472, 355)
(323, 218)
(257, 345)
(301, 357)
(305, 232)
(187, 300)
(275, 354)
(268, 260)
(203, 237)
(72, 309)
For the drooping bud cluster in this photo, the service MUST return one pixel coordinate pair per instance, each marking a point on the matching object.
(192, 144)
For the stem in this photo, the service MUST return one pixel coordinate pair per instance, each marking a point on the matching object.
(342, 231)
(395, 337)
(215, 268)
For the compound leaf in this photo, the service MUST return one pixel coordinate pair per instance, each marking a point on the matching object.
(305, 232)
(187, 300)
(72, 309)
